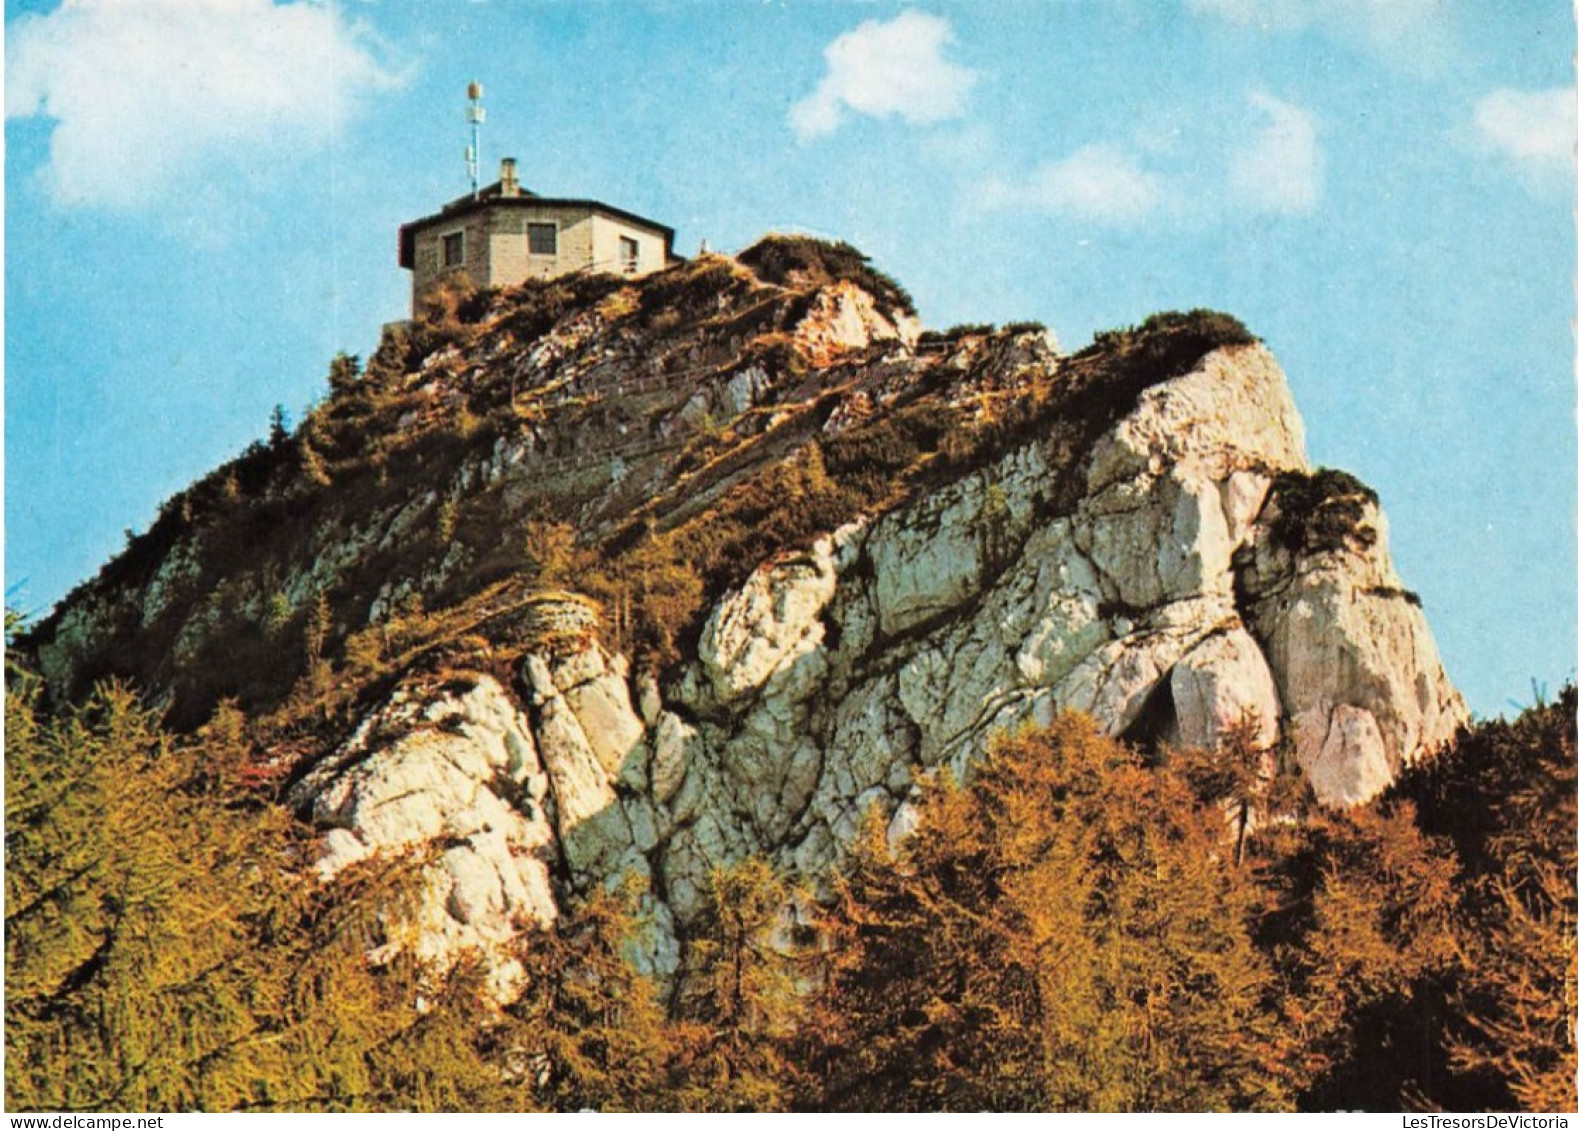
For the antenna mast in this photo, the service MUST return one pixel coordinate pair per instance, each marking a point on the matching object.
(475, 115)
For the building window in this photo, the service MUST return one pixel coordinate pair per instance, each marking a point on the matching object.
(454, 249)
(629, 254)
(542, 239)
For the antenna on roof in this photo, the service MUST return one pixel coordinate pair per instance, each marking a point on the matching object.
(475, 115)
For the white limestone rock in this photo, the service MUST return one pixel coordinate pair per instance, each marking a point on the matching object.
(1158, 540)
(843, 317)
(1232, 411)
(1243, 495)
(906, 819)
(1051, 605)
(1114, 684)
(674, 747)
(763, 626)
(926, 560)
(1222, 682)
(598, 693)
(743, 388)
(458, 767)
(834, 681)
(592, 830)
(1343, 752)
(1356, 666)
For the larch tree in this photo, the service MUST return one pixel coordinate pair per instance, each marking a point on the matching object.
(167, 949)
(591, 1031)
(1064, 933)
(744, 1001)
(1360, 925)
(1506, 796)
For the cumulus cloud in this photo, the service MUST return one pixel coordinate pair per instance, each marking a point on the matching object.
(1415, 34)
(885, 70)
(1275, 167)
(1535, 128)
(145, 95)
(1268, 15)
(1099, 183)
(1280, 168)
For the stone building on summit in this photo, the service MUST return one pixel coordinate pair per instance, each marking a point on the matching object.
(504, 234)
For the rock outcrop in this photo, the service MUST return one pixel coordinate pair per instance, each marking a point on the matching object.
(456, 770)
(1157, 553)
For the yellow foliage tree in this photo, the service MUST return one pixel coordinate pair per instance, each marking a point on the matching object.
(744, 1002)
(1065, 933)
(165, 950)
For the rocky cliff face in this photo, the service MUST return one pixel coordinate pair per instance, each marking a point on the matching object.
(887, 547)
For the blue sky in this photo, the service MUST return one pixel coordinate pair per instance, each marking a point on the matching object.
(202, 198)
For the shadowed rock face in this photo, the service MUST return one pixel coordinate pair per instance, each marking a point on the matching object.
(1177, 569)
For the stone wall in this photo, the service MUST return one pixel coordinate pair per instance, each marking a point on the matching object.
(497, 252)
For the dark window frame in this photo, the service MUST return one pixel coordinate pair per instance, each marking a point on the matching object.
(535, 245)
(452, 248)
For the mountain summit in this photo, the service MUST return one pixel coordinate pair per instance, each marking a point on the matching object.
(602, 575)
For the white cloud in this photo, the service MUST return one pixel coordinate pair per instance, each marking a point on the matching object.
(1280, 169)
(885, 70)
(1414, 34)
(1169, 178)
(147, 95)
(1098, 183)
(1404, 29)
(1535, 128)
(1268, 15)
